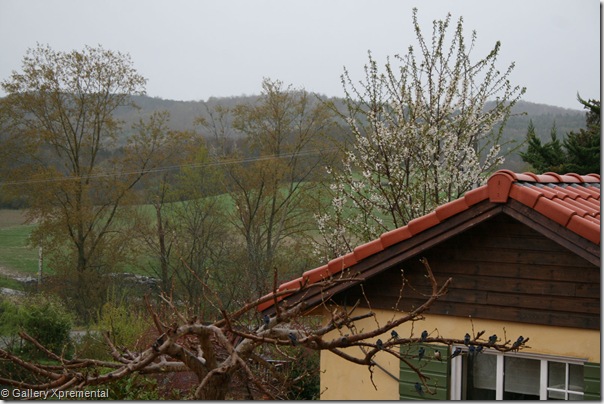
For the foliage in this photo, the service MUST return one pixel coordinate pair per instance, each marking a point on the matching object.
(124, 323)
(135, 387)
(578, 153)
(544, 157)
(422, 134)
(43, 317)
(305, 375)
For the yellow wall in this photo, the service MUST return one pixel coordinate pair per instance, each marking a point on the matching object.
(341, 380)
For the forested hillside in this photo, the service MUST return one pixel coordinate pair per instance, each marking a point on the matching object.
(184, 114)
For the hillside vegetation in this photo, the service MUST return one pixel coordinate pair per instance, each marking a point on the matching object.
(185, 113)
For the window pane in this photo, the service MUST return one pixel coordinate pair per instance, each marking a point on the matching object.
(572, 396)
(556, 375)
(576, 378)
(521, 379)
(481, 374)
(555, 395)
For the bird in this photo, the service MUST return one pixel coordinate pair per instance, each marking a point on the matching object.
(471, 349)
(424, 335)
(479, 348)
(437, 355)
(418, 388)
(292, 337)
(394, 334)
(518, 342)
(455, 353)
(493, 339)
(466, 339)
(266, 320)
(379, 344)
(421, 353)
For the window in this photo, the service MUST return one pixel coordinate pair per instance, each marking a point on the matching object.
(515, 376)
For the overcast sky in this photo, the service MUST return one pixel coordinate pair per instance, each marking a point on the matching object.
(195, 49)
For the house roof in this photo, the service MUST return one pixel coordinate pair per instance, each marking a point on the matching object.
(567, 203)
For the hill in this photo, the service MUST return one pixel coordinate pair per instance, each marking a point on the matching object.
(184, 113)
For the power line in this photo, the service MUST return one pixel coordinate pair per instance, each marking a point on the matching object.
(170, 168)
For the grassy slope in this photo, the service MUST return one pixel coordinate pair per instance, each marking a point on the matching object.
(16, 257)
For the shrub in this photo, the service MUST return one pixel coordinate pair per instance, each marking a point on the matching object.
(42, 317)
(47, 320)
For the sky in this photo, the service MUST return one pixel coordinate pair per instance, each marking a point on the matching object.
(191, 50)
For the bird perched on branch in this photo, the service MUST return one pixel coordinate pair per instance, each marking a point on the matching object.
(518, 342)
(394, 335)
(421, 353)
(424, 335)
(493, 339)
(266, 320)
(466, 339)
(418, 389)
(379, 344)
(455, 353)
(438, 356)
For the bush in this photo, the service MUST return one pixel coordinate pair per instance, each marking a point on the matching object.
(48, 321)
(42, 317)
(125, 325)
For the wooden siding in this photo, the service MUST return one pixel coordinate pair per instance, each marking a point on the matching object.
(501, 270)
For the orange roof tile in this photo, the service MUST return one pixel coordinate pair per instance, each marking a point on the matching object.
(571, 200)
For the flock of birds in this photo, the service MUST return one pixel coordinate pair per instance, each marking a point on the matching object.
(421, 354)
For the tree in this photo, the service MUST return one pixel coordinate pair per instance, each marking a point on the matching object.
(232, 346)
(543, 157)
(187, 240)
(70, 165)
(272, 179)
(423, 134)
(579, 152)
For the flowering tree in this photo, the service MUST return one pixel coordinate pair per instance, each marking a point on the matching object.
(424, 132)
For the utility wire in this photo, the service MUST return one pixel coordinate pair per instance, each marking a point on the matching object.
(169, 168)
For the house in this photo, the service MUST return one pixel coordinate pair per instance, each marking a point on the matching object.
(524, 255)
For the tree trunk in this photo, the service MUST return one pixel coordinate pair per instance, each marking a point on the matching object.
(216, 388)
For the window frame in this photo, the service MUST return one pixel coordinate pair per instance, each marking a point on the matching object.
(457, 369)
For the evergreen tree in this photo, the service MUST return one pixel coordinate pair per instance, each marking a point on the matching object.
(583, 147)
(544, 157)
(578, 153)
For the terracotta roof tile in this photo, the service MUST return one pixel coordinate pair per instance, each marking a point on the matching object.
(317, 274)
(571, 200)
(554, 210)
(367, 249)
(451, 208)
(420, 224)
(476, 195)
(585, 227)
(395, 236)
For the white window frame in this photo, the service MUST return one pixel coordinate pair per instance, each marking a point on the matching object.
(457, 369)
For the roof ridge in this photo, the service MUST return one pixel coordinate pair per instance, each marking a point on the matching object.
(577, 208)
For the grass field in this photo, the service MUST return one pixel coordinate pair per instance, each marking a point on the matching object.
(16, 257)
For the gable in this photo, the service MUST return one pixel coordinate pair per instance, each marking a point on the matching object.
(562, 211)
(502, 270)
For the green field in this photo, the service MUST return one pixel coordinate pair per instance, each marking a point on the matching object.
(16, 257)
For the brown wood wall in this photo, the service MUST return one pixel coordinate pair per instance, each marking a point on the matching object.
(501, 270)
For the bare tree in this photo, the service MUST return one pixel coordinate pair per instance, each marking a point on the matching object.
(217, 351)
(272, 179)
